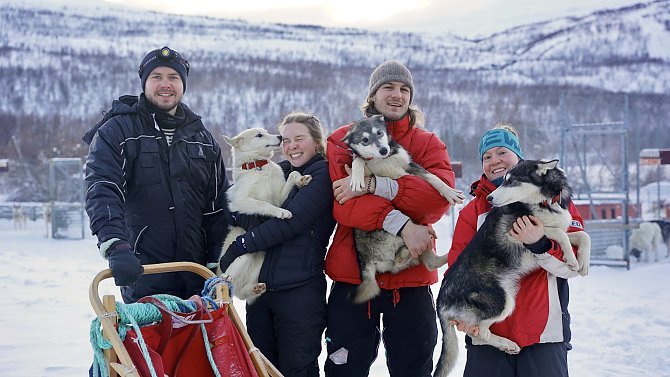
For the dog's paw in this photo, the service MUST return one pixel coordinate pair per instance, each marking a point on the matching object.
(454, 196)
(293, 178)
(283, 214)
(358, 183)
(259, 288)
(584, 270)
(584, 260)
(511, 348)
(304, 181)
(572, 264)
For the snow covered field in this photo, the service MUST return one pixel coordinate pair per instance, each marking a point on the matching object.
(621, 319)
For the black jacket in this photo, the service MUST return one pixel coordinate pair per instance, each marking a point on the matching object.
(167, 202)
(296, 248)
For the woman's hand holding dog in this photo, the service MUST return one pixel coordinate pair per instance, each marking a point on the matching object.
(460, 326)
(527, 229)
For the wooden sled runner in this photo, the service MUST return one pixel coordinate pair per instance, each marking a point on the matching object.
(118, 359)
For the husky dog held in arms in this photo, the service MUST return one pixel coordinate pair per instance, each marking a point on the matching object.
(480, 287)
(379, 251)
(259, 189)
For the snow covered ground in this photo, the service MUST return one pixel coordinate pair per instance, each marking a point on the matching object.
(621, 318)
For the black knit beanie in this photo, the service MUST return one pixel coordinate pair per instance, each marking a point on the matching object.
(389, 71)
(163, 57)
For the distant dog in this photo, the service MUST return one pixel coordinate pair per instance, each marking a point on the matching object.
(46, 214)
(480, 288)
(665, 232)
(259, 189)
(379, 251)
(19, 217)
(645, 241)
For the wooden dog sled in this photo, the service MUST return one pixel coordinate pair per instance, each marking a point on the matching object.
(117, 358)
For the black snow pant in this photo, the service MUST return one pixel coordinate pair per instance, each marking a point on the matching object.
(287, 327)
(537, 360)
(353, 332)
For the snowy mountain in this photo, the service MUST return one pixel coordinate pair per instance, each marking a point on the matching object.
(62, 65)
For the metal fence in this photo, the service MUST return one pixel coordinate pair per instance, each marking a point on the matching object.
(609, 242)
(66, 189)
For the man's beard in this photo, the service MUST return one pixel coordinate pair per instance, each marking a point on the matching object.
(162, 106)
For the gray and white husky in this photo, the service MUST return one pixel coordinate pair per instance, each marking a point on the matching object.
(259, 189)
(480, 288)
(379, 251)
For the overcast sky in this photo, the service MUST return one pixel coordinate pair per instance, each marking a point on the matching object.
(461, 17)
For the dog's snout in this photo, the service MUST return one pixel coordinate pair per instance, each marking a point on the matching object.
(279, 137)
(383, 151)
(489, 198)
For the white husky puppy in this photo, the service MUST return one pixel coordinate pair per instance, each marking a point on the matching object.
(259, 189)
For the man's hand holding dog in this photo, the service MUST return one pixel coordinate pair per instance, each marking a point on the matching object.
(417, 238)
(342, 187)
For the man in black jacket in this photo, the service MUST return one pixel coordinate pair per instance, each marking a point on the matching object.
(156, 184)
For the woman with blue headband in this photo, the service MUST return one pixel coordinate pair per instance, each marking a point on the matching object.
(540, 323)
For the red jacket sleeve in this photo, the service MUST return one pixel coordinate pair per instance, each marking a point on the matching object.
(466, 227)
(416, 198)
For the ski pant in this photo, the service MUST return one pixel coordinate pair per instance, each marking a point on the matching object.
(353, 332)
(537, 360)
(287, 326)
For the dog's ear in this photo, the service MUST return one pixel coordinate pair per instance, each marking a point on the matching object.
(233, 142)
(544, 167)
(346, 137)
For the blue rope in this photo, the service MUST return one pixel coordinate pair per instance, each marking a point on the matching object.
(121, 308)
(99, 344)
(208, 350)
(210, 289)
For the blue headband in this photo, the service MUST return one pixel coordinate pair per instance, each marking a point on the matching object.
(499, 137)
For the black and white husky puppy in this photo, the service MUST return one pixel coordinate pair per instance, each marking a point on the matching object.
(379, 251)
(480, 288)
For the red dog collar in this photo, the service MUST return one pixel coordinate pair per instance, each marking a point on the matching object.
(254, 165)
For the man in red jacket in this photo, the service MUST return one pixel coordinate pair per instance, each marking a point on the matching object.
(406, 207)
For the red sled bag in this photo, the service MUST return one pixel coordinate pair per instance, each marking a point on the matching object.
(177, 347)
(228, 349)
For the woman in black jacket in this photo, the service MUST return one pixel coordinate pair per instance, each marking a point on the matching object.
(287, 321)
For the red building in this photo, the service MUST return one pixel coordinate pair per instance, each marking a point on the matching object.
(604, 210)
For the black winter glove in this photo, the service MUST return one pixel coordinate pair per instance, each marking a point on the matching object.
(234, 250)
(126, 267)
(246, 221)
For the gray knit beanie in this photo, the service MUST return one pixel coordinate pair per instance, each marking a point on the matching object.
(391, 70)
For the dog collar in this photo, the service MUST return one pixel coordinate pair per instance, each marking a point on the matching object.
(555, 199)
(254, 165)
